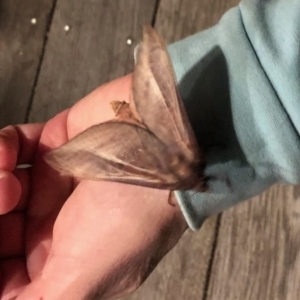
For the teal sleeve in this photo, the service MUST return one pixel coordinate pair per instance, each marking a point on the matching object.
(240, 82)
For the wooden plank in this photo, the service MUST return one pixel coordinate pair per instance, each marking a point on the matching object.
(258, 251)
(183, 273)
(92, 52)
(21, 46)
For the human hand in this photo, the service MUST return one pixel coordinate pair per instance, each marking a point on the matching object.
(67, 239)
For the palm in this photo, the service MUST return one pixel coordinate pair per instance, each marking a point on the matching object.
(49, 191)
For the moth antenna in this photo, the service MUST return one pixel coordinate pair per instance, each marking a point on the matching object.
(116, 106)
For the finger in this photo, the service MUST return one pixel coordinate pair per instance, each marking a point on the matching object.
(9, 148)
(29, 136)
(18, 144)
(11, 235)
(14, 278)
(23, 176)
(10, 191)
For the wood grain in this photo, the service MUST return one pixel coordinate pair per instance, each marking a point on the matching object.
(258, 251)
(92, 52)
(183, 273)
(21, 46)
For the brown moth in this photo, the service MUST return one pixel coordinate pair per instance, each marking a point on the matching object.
(150, 142)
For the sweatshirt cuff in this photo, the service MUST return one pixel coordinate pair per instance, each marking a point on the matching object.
(248, 136)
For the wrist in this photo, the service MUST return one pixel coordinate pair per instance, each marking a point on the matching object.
(167, 219)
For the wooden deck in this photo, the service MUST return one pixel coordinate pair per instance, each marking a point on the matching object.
(250, 252)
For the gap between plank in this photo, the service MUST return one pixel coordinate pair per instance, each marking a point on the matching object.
(211, 259)
(153, 21)
(48, 26)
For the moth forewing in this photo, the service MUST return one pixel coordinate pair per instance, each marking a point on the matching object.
(116, 151)
(154, 83)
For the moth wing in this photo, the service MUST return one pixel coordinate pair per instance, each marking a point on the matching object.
(155, 96)
(115, 151)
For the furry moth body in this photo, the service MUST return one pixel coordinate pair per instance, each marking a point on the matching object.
(149, 143)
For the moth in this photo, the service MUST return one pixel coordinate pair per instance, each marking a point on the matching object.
(150, 141)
